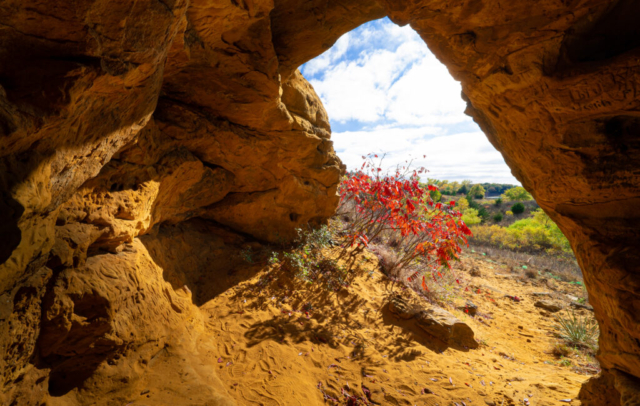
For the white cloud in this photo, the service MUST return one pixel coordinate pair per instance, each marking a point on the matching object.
(426, 94)
(323, 61)
(453, 157)
(399, 82)
(382, 81)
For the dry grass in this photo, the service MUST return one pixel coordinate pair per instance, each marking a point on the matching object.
(561, 350)
(565, 269)
(387, 257)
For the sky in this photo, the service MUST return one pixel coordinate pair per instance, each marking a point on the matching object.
(385, 92)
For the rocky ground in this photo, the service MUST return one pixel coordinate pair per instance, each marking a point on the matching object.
(282, 341)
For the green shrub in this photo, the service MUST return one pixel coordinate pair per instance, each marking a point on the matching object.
(577, 330)
(497, 217)
(306, 260)
(498, 201)
(470, 217)
(533, 234)
(517, 208)
(435, 195)
(482, 212)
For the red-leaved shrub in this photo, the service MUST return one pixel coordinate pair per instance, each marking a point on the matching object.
(398, 206)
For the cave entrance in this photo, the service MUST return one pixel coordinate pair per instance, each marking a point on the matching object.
(385, 92)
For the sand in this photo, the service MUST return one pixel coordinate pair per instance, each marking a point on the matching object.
(285, 342)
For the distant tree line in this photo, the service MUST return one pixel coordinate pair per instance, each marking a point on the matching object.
(466, 187)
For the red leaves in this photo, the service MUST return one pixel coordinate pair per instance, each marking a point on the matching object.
(411, 208)
(424, 284)
(401, 204)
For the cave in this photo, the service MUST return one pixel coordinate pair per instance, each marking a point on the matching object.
(140, 141)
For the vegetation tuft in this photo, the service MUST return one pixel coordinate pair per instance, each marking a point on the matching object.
(577, 330)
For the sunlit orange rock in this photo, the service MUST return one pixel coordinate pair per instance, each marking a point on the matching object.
(150, 123)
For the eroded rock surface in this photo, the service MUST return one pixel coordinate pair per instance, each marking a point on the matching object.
(447, 328)
(128, 129)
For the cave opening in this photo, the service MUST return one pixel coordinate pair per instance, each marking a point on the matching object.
(172, 137)
(386, 93)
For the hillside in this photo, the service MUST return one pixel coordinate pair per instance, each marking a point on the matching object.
(285, 342)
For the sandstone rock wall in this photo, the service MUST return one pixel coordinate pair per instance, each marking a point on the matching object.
(130, 127)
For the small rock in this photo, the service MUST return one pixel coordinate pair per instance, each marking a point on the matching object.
(552, 284)
(470, 308)
(548, 305)
(577, 305)
(541, 294)
(490, 402)
(475, 272)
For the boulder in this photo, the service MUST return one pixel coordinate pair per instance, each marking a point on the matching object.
(446, 327)
(549, 305)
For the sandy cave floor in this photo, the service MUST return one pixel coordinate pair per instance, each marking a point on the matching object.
(271, 352)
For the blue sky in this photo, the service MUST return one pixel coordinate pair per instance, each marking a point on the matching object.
(385, 92)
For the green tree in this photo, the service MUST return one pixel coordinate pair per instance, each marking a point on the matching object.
(517, 208)
(477, 191)
(517, 194)
(463, 190)
(463, 204)
(497, 217)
